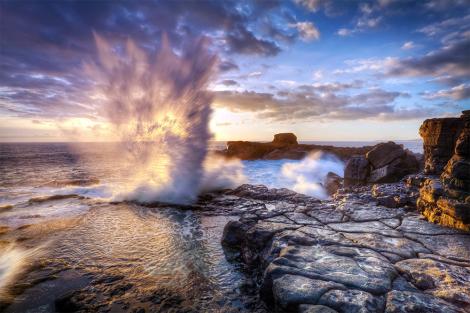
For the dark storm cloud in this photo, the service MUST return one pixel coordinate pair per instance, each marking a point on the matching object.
(306, 104)
(44, 44)
(244, 41)
(452, 60)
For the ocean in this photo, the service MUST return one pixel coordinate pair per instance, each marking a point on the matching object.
(61, 231)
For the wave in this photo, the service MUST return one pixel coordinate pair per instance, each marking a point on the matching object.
(52, 198)
(72, 182)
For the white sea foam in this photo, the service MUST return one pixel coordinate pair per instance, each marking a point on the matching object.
(308, 175)
(13, 260)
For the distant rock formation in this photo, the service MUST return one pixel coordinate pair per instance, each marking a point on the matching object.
(445, 199)
(285, 146)
(384, 163)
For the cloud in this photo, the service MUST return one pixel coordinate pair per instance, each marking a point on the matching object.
(229, 82)
(226, 66)
(344, 32)
(408, 45)
(450, 60)
(307, 30)
(315, 102)
(448, 29)
(244, 41)
(459, 92)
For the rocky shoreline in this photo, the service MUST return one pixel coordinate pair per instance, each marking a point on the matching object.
(368, 249)
(347, 254)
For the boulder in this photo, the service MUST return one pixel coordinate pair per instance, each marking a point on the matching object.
(384, 153)
(332, 183)
(284, 139)
(400, 167)
(356, 171)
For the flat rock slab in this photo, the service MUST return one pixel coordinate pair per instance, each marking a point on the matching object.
(349, 255)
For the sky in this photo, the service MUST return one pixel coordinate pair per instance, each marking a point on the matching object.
(325, 70)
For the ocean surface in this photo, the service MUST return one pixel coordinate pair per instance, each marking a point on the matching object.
(60, 233)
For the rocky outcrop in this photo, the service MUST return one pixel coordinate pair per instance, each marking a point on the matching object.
(384, 163)
(439, 138)
(284, 139)
(347, 254)
(284, 146)
(445, 199)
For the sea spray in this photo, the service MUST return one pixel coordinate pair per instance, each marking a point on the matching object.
(308, 175)
(13, 261)
(159, 108)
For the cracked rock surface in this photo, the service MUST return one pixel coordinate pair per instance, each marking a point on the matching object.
(348, 254)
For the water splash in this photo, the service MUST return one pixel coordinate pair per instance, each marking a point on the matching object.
(308, 175)
(13, 260)
(159, 108)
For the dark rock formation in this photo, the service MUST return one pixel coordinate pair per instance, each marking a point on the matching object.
(384, 163)
(356, 171)
(332, 183)
(284, 139)
(347, 254)
(446, 199)
(284, 146)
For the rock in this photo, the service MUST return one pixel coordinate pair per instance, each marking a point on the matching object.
(384, 153)
(233, 233)
(439, 137)
(352, 301)
(437, 207)
(284, 146)
(450, 205)
(395, 170)
(332, 183)
(291, 290)
(308, 308)
(356, 171)
(348, 254)
(413, 302)
(284, 139)
(286, 153)
(446, 281)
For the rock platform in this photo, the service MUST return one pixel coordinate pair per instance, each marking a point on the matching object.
(347, 254)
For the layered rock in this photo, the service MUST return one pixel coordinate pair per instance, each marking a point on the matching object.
(285, 146)
(347, 254)
(439, 137)
(445, 199)
(384, 163)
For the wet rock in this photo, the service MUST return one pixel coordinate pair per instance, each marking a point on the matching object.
(352, 301)
(332, 183)
(360, 268)
(365, 227)
(349, 254)
(233, 233)
(291, 290)
(308, 308)
(356, 171)
(413, 302)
